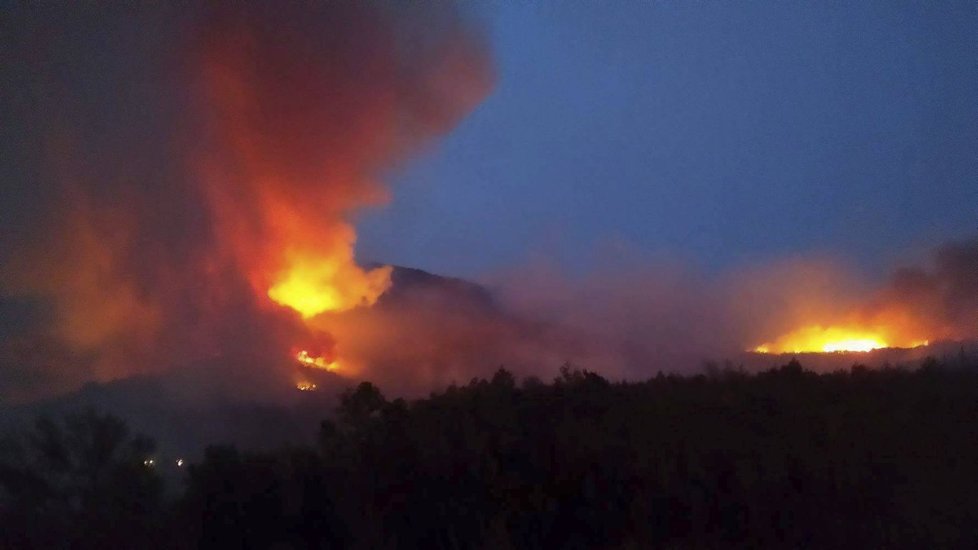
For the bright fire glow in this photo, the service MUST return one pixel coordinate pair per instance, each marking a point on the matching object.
(300, 292)
(320, 362)
(831, 339)
(305, 386)
(315, 284)
(285, 170)
(854, 344)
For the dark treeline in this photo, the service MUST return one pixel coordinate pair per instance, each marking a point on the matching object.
(784, 458)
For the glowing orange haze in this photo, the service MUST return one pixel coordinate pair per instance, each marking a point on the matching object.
(309, 263)
(306, 360)
(313, 275)
(817, 338)
(305, 118)
(887, 328)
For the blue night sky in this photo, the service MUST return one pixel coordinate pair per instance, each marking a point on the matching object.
(712, 133)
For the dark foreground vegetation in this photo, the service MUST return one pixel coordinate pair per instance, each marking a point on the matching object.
(785, 458)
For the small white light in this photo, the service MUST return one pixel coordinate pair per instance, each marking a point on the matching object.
(179, 462)
(149, 462)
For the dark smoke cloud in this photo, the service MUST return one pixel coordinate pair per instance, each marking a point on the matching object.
(946, 293)
(144, 146)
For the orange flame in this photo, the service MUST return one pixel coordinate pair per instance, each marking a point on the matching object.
(315, 284)
(829, 339)
(303, 127)
(320, 362)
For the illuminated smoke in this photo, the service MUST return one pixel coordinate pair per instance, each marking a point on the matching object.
(915, 307)
(635, 322)
(186, 179)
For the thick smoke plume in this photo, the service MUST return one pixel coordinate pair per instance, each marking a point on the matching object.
(179, 188)
(177, 176)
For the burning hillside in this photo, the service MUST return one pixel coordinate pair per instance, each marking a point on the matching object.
(207, 209)
(915, 307)
(833, 339)
(307, 120)
(191, 193)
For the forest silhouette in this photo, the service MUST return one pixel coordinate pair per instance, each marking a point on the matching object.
(783, 458)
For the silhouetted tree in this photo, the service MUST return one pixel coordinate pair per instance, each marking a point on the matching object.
(83, 482)
(784, 458)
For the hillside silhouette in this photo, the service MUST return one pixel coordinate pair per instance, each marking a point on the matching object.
(781, 458)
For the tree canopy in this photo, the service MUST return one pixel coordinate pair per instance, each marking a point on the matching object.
(782, 458)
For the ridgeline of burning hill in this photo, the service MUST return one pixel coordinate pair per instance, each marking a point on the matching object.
(217, 399)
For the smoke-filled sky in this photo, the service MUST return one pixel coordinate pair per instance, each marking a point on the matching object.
(642, 185)
(717, 133)
(179, 181)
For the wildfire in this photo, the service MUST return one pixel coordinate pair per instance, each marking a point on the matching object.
(319, 362)
(300, 129)
(305, 386)
(816, 338)
(313, 284)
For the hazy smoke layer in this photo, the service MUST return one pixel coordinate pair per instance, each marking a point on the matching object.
(633, 323)
(163, 167)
